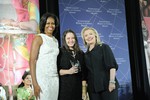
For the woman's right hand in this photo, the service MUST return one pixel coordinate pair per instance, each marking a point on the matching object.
(37, 91)
(84, 96)
(73, 70)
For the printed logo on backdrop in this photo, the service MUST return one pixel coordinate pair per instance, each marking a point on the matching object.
(109, 19)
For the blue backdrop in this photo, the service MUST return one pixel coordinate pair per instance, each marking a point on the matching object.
(108, 17)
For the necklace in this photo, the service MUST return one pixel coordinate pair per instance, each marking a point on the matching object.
(73, 54)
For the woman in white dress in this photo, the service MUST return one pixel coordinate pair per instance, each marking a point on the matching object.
(43, 59)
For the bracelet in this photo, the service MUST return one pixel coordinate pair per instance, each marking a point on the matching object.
(84, 89)
(111, 81)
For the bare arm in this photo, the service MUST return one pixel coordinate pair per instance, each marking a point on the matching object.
(112, 82)
(32, 62)
(31, 25)
(72, 70)
(84, 90)
(26, 25)
(112, 74)
(84, 86)
(64, 71)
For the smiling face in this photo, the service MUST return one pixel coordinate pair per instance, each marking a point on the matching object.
(70, 40)
(27, 81)
(89, 37)
(50, 26)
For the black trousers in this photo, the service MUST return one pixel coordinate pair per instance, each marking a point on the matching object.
(104, 95)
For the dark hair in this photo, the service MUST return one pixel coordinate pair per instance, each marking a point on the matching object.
(44, 19)
(0, 84)
(26, 73)
(64, 44)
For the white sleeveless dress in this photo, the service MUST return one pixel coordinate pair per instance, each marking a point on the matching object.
(46, 68)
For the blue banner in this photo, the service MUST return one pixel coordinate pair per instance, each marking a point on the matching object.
(108, 17)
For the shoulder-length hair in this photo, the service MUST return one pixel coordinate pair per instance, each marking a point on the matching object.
(64, 44)
(98, 41)
(44, 20)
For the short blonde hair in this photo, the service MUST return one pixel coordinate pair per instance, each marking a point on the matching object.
(98, 41)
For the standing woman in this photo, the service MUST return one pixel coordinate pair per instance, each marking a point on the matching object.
(43, 59)
(101, 66)
(71, 67)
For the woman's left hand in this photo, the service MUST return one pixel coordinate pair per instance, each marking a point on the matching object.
(84, 96)
(111, 87)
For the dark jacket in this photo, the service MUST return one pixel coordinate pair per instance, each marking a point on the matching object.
(99, 61)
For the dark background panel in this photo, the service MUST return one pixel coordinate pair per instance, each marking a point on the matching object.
(136, 48)
(50, 6)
